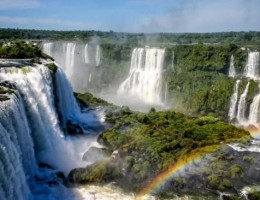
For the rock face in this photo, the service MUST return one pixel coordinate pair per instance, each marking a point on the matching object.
(225, 170)
(93, 155)
(73, 128)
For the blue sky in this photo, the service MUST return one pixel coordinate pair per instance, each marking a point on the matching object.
(132, 15)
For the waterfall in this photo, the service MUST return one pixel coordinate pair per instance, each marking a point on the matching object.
(98, 55)
(19, 131)
(78, 61)
(86, 58)
(166, 93)
(30, 130)
(69, 108)
(69, 60)
(251, 70)
(254, 110)
(232, 71)
(36, 87)
(241, 110)
(144, 79)
(89, 78)
(47, 48)
(17, 159)
(233, 102)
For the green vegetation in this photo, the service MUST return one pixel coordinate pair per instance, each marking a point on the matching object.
(254, 195)
(20, 50)
(52, 67)
(249, 159)
(201, 92)
(161, 39)
(202, 57)
(236, 171)
(114, 66)
(149, 143)
(88, 100)
(197, 77)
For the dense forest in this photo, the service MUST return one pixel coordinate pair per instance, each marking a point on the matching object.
(164, 39)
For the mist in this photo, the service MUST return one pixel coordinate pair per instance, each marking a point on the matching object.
(139, 87)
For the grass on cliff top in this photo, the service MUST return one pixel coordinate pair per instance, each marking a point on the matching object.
(89, 100)
(163, 137)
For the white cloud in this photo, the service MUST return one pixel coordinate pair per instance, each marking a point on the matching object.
(43, 21)
(18, 4)
(202, 16)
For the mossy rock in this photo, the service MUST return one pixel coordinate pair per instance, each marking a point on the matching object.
(92, 174)
(230, 197)
(254, 195)
(89, 100)
(249, 159)
(4, 90)
(236, 171)
(52, 67)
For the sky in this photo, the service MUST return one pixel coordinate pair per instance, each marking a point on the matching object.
(137, 16)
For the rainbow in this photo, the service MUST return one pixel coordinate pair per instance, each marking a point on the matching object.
(178, 166)
(182, 164)
(255, 132)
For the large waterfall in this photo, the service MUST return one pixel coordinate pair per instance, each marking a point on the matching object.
(254, 113)
(251, 70)
(78, 60)
(47, 48)
(69, 59)
(144, 79)
(86, 58)
(232, 70)
(241, 109)
(233, 102)
(98, 55)
(30, 129)
(17, 159)
(140, 90)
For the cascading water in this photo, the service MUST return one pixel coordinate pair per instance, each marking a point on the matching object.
(254, 113)
(144, 79)
(30, 131)
(77, 60)
(17, 159)
(241, 110)
(251, 70)
(70, 55)
(86, 58)
(69, 108)
(47, 48)
(89, 78)
(98, 55)
(233, 102)
(232, 71)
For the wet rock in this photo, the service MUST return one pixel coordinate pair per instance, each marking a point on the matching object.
(45, 165)
(4, 98)
(93, 155)
(73, 128)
